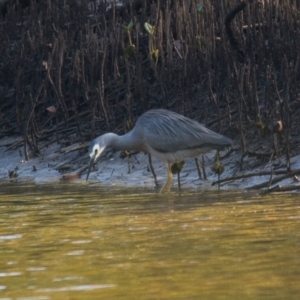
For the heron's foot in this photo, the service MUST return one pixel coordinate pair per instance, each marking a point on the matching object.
(166, 188)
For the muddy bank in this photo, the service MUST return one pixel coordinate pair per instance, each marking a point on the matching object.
(59, 164)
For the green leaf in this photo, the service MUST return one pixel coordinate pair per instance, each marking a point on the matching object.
(177, 167)
(149, 28)
(130, 25)
(217, 168)
(154, 55)
(199, 7)
(128, 51)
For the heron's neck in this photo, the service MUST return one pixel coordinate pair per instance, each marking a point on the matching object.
(123, 142)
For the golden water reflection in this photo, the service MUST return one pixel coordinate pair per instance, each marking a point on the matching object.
(83, 242)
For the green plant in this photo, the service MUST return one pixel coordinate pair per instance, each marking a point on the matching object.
(153, 52)
(131, 47)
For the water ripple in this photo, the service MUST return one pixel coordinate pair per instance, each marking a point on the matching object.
(10, 237)
(87, 287)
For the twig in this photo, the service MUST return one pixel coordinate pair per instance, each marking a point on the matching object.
(279, 188)
(260, 173)
(280, 178)
(203, 168)
(152, 170)
(178, 180)
(74, 147)
(14, 144)
(257, 154)
(198, 168)
(271, 178)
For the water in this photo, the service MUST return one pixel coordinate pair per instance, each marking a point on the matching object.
(83, 242)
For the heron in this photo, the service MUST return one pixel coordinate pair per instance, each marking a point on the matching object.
(164, 134)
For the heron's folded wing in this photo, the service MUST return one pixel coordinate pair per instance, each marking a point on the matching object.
(173, 132)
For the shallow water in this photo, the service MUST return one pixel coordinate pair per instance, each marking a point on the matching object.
(84, 242)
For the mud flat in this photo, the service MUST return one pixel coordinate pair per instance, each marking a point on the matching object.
(55, 164)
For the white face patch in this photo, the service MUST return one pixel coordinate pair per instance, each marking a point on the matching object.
(96, 151)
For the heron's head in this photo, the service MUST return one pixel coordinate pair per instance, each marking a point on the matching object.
(95, 149)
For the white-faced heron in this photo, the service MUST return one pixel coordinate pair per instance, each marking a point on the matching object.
(166, 135)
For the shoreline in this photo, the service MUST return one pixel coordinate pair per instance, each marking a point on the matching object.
(56, 164)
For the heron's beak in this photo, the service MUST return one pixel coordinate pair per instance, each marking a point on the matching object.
(90, 167)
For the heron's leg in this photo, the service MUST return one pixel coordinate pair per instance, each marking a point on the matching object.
(152, 170)
(167, 186)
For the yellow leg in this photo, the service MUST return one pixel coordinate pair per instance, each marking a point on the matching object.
(167, 186)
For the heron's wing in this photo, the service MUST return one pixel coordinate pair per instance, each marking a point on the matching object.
(166, 131)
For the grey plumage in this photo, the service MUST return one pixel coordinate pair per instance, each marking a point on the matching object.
(168, 132)
(164, 134)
